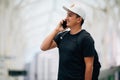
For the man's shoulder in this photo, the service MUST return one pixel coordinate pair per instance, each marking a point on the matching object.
(64, 32)
(85, 36)
(85, 32)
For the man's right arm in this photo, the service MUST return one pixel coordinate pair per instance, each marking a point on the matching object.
(48, 42)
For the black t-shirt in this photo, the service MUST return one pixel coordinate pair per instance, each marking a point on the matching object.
(72, 50)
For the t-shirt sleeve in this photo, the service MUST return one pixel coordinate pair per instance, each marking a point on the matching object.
(57, 38)
(88, 47)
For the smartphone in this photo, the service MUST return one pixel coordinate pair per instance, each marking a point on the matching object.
(64, 24)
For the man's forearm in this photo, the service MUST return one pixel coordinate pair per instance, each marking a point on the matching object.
(88, 73)
(48, 40)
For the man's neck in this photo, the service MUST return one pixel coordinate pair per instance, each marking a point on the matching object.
(75, 29)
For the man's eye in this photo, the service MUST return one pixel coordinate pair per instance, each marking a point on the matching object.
(69, 15)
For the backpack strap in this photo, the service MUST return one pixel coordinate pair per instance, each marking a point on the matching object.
(80, 37)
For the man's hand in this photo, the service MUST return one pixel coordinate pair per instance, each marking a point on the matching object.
(59, 27)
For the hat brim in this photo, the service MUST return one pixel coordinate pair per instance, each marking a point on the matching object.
(67, 9)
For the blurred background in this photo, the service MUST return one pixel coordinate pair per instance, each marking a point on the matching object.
(25, 23)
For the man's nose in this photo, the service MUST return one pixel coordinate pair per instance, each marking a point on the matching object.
(66, 18)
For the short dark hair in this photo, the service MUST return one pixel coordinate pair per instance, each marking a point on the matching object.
(81, 21)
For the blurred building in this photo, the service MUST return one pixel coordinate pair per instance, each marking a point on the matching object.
(25, 23)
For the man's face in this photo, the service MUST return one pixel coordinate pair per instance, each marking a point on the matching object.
(72, 19)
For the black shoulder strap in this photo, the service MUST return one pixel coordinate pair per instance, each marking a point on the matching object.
(80, 37)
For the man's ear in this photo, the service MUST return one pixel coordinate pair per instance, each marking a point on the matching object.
(79, 19)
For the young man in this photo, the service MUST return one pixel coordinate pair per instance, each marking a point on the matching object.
(78, 59)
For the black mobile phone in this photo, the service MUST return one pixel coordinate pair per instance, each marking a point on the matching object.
(64, 24)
